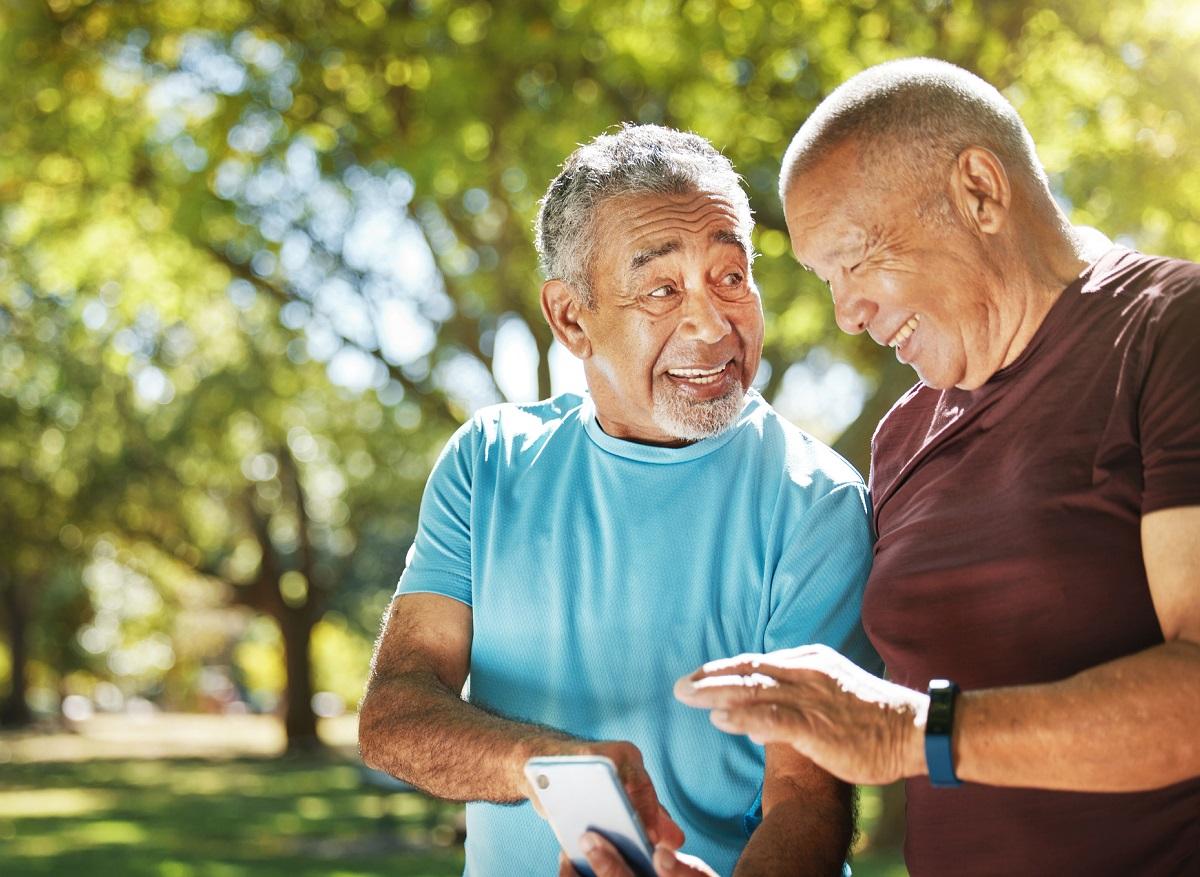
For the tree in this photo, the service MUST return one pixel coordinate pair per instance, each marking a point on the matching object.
(223, 225)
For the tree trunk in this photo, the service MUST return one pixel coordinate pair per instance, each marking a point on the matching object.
(14, 713)
(299, 720)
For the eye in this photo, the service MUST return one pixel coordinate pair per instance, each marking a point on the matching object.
(661, 292)
(733, 278)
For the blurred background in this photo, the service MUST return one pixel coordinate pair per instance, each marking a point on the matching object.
(259, 259)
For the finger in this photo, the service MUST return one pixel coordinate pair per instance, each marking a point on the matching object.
(765, 723)
(670, 863)
(642, 796)
(749, 662)
(745, 662)
(603, 856)
(640, 789)
(669, 833)
(716, 691)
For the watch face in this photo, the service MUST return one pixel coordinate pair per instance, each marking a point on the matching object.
(941, 706)
(939, 716)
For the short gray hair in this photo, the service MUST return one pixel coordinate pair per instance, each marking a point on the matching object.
(915, 115)
(637, 159)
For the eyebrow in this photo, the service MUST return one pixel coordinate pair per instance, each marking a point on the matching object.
(643, 257)
(728, 236)
(721, 236)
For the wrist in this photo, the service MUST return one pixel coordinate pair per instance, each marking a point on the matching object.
(540, 744)
(914, 744)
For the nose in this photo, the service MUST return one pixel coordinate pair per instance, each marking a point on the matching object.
(704, 318)
(850, 309)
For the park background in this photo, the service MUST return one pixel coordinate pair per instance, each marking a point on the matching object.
(258, 260)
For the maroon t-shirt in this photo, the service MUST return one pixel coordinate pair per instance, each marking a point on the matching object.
(1009, 553)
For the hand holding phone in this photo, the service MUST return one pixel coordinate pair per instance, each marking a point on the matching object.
(581, 793)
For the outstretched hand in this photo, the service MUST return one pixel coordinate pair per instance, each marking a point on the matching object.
(860, 728)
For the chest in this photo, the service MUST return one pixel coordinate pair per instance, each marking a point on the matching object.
(618, 558)
(1009, 547)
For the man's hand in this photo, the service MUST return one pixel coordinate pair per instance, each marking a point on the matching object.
(659, 826)
(607, 862)
(858, 727)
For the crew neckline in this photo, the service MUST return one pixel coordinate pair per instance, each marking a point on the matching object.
(656, 453)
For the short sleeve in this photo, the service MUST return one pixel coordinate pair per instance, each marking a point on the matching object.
(1169, 408)
(817, 590)
(439, 561)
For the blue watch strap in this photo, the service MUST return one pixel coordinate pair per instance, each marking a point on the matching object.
(939, 758)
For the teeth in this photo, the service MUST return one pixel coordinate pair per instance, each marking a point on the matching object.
(695, 372)
(907, 329)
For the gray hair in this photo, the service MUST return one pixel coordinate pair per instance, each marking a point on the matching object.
(915, 116)
(637, 159)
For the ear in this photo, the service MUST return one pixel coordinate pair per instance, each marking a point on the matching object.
(981, 190)
(561, 307)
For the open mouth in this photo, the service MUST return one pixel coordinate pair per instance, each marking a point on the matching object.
(904, 332)
(699, 376)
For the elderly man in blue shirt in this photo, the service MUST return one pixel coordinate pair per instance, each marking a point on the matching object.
(575, 556)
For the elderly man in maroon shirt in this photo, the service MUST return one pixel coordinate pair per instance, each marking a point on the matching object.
(1036, 498)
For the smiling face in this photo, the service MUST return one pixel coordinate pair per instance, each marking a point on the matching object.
(923, 286)
(674, 339)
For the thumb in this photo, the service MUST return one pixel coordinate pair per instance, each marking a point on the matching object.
(671, 863)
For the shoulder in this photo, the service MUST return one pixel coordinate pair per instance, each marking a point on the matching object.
(510, 420)
(495, 432)
(1152, 300)
(1157, 284)
(800, 460)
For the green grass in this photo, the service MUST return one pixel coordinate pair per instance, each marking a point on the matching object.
(190, 817)
(220, 818)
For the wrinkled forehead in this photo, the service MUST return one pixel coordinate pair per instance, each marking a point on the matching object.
(831, 208)
(648, 221)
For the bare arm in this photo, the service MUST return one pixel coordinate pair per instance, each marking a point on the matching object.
(1075, 734)
(807, 820)
(414, 724)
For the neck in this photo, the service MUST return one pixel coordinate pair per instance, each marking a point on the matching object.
(1043, 257)
(639, 435)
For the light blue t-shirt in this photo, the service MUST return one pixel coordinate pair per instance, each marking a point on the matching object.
(599, 570)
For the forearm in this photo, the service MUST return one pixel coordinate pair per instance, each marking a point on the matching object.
(1078, 734)
(415, 728)
(802, 836)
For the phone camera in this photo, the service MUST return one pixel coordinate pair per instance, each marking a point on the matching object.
(543, 781)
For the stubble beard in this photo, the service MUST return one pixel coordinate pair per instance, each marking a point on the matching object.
(692, 420)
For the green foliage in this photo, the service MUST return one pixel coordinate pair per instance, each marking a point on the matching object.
(253, 257)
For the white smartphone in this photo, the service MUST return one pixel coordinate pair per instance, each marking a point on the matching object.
(581, 793)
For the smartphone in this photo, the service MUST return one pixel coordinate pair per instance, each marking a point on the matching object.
(580, 793)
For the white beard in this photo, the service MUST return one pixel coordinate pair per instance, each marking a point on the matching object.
(692, 421)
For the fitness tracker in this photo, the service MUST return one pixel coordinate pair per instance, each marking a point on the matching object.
(939, 759)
